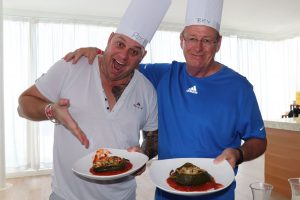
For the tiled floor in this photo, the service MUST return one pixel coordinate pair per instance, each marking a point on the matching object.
(38, 187)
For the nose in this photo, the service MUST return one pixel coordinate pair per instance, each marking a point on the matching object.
(199, 45)
(124, 54)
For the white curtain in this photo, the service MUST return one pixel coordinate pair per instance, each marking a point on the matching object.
(16, 61)
(273, 67)
(31, 46)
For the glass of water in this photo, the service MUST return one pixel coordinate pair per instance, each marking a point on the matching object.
(261, 191)
(295, 188)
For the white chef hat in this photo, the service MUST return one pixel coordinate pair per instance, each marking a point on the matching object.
(142, 18)
(204, 12)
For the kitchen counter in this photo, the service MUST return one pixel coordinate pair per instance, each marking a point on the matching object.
(290, 124)
(282, 158)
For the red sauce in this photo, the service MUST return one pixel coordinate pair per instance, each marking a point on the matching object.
(128, 166)
(199, 188)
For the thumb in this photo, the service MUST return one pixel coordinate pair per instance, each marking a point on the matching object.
(64, 102)
(219, 159)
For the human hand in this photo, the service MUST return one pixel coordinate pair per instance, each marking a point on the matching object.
(229, 154)
(143, 168)
(89, 52)
(62, 114)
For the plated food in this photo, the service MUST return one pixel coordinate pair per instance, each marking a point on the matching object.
(105, 164)
(222, 173)
(109, 164)
(190, 177)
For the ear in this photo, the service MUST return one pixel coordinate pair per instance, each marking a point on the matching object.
(145, 53)
(181, 40)
(219, 43)
(110, 37)
(142, 56)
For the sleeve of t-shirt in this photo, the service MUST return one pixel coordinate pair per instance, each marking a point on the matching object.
(152, 112)
(152, 120)
(251, 124)
(50, 83)
(154, 72)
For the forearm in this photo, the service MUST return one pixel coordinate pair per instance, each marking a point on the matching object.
(150, 142)
(253, 148)
(32, 106)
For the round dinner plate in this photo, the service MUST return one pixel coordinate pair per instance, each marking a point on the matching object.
(160, 170)
(83, 165)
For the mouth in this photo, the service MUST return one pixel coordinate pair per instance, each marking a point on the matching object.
(117, 65)
(198, 54)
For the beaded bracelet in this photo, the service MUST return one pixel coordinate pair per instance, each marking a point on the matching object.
(49, 113)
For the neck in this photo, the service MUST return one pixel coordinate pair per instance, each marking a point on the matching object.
(206, 71)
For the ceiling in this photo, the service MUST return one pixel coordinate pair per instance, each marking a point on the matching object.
(268, 19)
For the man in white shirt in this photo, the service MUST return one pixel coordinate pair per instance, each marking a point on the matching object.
(105, 104)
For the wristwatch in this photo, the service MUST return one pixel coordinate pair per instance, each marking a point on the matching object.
(241, 156)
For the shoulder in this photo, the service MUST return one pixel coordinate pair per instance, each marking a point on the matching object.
(157, 70)
(160, 66)
(141, 80)
(236, 78)
(82, 66)
(61, 70)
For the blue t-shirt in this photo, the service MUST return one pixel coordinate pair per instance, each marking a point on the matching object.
(200, 117)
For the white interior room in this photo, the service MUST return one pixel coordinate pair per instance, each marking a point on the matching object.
(261, 41)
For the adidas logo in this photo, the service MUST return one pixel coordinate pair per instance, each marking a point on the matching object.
(192, 90)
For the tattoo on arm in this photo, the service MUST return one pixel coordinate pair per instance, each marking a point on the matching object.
(150, 142)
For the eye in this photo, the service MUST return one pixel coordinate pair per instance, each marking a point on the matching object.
(193, 39)
(119, 44)
(135, 52)
(206, 41)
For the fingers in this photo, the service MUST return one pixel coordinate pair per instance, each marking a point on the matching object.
(84, 140)
(219, 159)
(91, 60)
(69, 56)
(92, 53)
(135, 149)
(77, 56)
(76, 130)
(89, 52)
(64, 117)
(228, 155)
(64, 102)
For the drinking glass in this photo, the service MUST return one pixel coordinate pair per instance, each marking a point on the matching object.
(261, 191)
(295, 188)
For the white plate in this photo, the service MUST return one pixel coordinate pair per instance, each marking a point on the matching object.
(160, 170)
(83, 165)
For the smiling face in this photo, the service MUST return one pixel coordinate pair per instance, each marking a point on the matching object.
(200, 44)
(122, 56)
